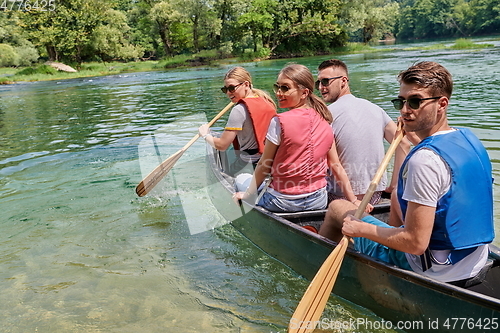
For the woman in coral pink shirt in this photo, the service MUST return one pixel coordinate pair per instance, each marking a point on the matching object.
(299, 149)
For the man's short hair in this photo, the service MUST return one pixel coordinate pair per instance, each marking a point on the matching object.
(429, 74)
(333, 63)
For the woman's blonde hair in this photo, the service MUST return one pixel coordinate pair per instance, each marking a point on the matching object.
(303, 77)
(241, 75)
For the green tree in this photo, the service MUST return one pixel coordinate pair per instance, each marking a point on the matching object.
(143, 30)
(259, 22)
(81, 30)
(166, 16)
(204, 23)
(228, 13)
(10, 32)
(302, 25)
(445, 18)
(66, 33)
(109, 39)
(12, 35)
(484, 16)
(369, 21)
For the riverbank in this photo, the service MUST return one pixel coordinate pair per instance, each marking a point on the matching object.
(205, 58)
(91, 69)
(12, 75)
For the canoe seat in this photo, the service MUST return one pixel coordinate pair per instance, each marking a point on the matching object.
(308, 213)
(315, 217)
(479, 278)
(311, 218)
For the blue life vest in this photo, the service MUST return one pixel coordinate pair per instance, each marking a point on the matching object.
(464, 215)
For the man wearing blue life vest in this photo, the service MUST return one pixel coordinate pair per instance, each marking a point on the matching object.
(444, 191)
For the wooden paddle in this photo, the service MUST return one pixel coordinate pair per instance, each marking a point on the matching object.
(154, 177)
(312, 304)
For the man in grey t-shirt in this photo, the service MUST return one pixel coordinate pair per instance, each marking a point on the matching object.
(360, 128)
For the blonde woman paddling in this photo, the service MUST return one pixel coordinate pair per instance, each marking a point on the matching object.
(248, 121)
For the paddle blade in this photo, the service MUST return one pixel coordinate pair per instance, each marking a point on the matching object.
(155, 176)
(311, 306)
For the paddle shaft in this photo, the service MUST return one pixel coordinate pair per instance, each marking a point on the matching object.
(313, 302)
(217, 117)
(378, 175)
(155, 176)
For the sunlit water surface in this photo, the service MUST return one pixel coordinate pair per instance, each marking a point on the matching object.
(79, 251)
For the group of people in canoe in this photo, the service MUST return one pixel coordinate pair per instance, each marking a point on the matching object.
(318, 156)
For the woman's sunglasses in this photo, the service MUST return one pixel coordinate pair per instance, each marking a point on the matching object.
(231, 89)
(413, 103)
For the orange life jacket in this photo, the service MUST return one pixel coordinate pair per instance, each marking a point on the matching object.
(261, 112)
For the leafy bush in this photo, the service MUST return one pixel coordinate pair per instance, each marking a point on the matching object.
(463, 43)
(310, 44)
(27, 55)
(8, 56)
(27, 71)
(262, 53)
(46, 69)
(43, 69)
(91, 67)
(4, 80)
(225, 50)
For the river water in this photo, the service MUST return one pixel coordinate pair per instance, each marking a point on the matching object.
(80, 252)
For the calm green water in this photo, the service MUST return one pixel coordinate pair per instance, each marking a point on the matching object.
(80, 252)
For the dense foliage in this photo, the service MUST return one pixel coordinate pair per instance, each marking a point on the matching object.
(84, 30)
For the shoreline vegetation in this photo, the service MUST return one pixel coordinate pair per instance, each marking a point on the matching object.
(42, 72)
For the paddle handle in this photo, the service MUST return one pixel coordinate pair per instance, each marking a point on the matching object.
(220, 114)
(380, 172)
(217, 117)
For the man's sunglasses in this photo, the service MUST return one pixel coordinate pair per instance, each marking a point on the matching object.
(283, 89)
(231, 89)
(413, 103)
(326, 81)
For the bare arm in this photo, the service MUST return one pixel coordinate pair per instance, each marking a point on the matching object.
(413, 238)
(340, 174)
(342, 179)
(262, 170)
(395, 215)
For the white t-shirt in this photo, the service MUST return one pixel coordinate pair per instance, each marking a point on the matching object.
(359, 127)
(240, 121)
(427, 178)
(274, 131)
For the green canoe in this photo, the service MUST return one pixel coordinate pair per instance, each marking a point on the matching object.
(399, 296)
